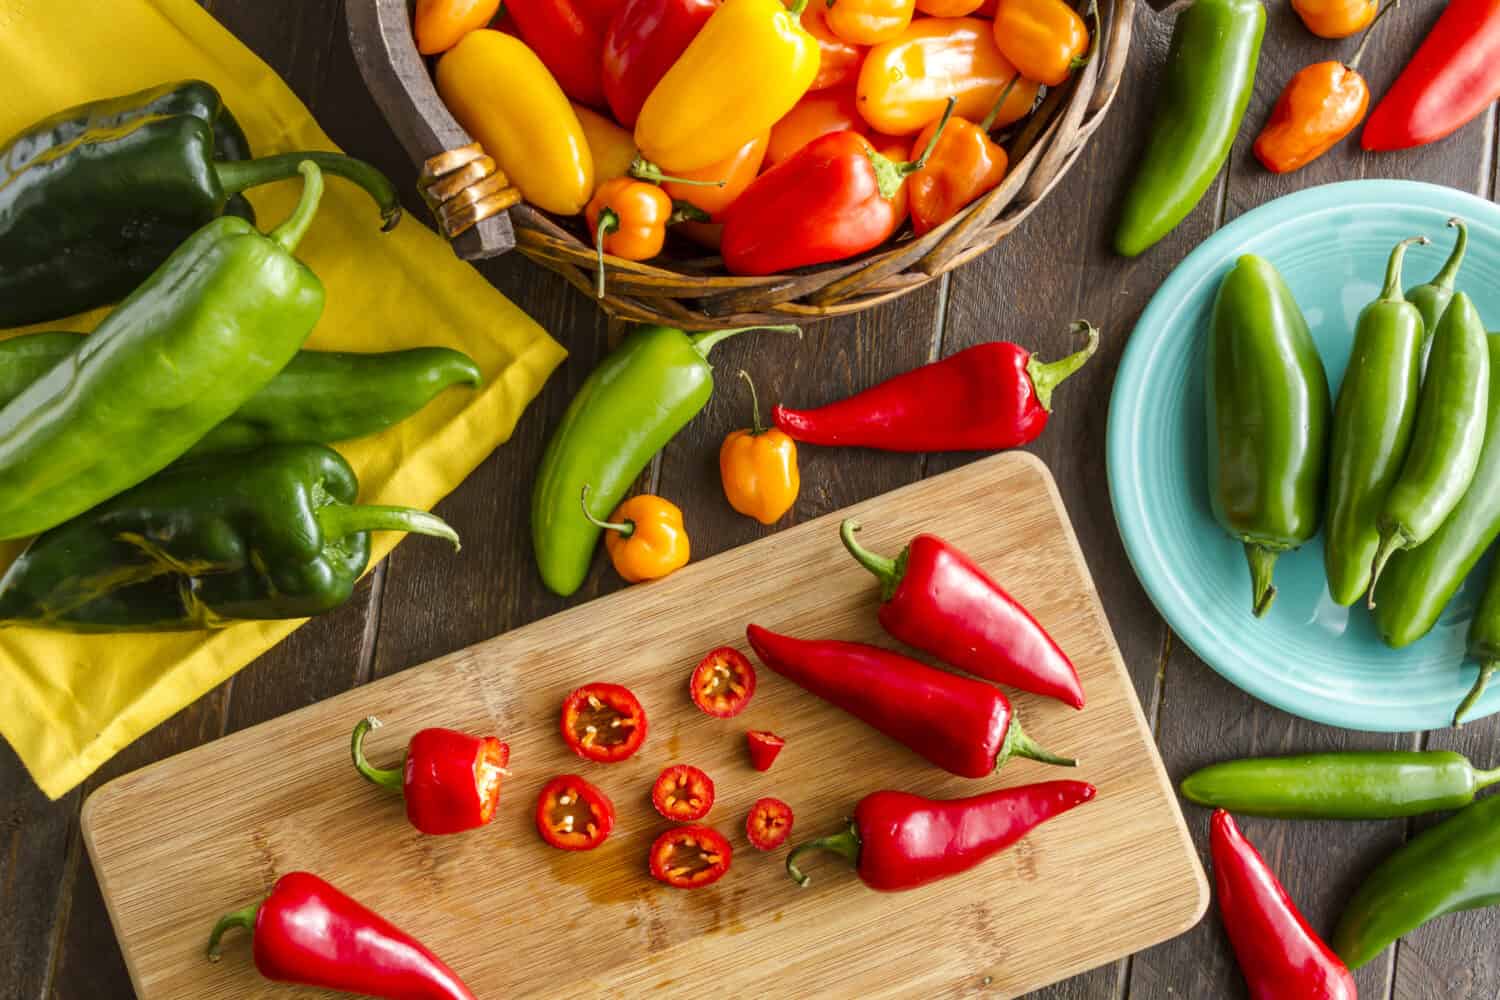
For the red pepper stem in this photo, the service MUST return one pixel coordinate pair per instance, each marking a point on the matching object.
(239, 918)
(643, 169)
(609, 221)
(1392, 292)
(1359, 52)
(890, 175)
(1486, 670)
(989, 119)
(1262, 562)
(845, 844)
(338, 520)
(757, 428)
(625, 528)
(391, 779)
(238, 175)
(709, 339)
(1018, 744)
(1047, 375)
(290, 232)
(1449, 273)
(888, 571)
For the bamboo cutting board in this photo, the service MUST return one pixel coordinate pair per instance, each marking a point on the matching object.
(178, 843)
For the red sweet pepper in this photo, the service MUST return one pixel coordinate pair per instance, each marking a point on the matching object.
(764, 746)
(962, 725)
(769, 824)
(568, 36)
(1453, 77)
(834, 198)
(933, 597)
(573, 815)
(690, 857)
(450, 780)
(900, 841)
(1281, 957)
(307, 932)
(988, 397)
(645, 38)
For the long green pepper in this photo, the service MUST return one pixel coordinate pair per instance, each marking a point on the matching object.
(1483, 642)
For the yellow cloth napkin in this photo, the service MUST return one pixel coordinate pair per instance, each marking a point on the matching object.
(68, 703)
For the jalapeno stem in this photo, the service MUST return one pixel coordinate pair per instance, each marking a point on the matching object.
(1390, 543)
(845, 844)
(385, 778)
(238, 175)
(709, 339)
(290, 232)
(1047, 375)
(1486, 671)
(338, 520)
(1391, 292)
(1262, 564)
(625, 528)
(1448, 274)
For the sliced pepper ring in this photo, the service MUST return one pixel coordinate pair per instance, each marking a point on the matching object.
(690, 857)
(723, 683)
(603, 722)
(769, 824)
(683, 793)
(573, 815)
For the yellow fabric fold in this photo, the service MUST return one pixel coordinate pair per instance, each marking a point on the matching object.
(68, 703)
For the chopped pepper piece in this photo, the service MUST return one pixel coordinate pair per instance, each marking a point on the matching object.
(573, 815)
(683, 792)
(764, 746)
(603, 722)
(723, 683)
(690, 857)
(769, 824)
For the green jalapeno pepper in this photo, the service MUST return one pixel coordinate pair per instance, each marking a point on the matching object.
(640, 396)
(1451, 867)
(1358, 784)
(320, 396)
(203, 334)
(1484, 638)
(1267, 419)
(1445, 445)
(1209, 77)
(1432, 297)
(1372, 424)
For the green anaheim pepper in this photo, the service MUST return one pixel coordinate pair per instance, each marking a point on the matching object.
(1267, 407)
(1210, 75)
(1432, 297)
(1448, 437)
(1372, 425)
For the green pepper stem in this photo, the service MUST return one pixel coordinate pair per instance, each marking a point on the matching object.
(338, 520)
(239, 918)
(237, 175)
(709, 339)
(644, 170)
(1046, 376)
(890, 175)
(290, 232)
(625, 528)
(1018, 744)
(1446, 277)
(609, 221)
(1392, 290)
(686, 211)
(989, 119)
(888, 571)
(1484, 779)
(1391, 541)
(756, 427)
(1262, 567)
(1365, 41)
(1486, 670)
(796, 9)
(393, 778)
(845, 844)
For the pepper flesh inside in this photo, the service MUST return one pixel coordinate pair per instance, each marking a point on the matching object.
(689, 857)
(489, 772)
(723, 683)
(574, 815)
(769, 824)
(601, 724)
(683, 792)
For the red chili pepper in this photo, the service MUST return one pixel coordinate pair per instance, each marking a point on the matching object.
(933, 597)
(769, 824)
(568, 36)
(900, 841)
(573, 815)
(683, 793)
(309, 933)
(834, 198)
(1453, 77)
(690, 857)
(722, 683)
(991, 396)
(603, 722)
(1281, 957)
(644, 39)
(450, 780)
(764, 746)
(962, 725)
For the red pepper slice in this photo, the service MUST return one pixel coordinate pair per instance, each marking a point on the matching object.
(573, 815)
(723, 683)
(603, 722)
(690, 857)
(450, 780)
(764, 746)
(769, 824)
(683, 793)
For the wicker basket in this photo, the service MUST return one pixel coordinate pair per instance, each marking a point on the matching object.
(695, 292)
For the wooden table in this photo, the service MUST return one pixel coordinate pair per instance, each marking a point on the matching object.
(55, 938)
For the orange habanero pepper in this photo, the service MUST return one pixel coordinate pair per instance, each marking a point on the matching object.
(965, 164)
(644, 537)
(949, 8)
(440, 24)
(905, 84)
(1044, 39)
(816, 114)
(629, 220)
(838, 60)
(759, 467)
(713, 188)
(869, 22)
(1336, 18)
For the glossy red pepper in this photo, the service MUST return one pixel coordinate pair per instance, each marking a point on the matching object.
(990, 396)
(1453, 77)
(764, 746)
(603, 722)
(769, 824)
(962, 725)
(690, 857)
(573, 815)
(683, 793)
(645, 38)
(450, 780)
(309, 933)
(722, 683)
(900, 841)
(933, 597)
(1281, 957)
(568, 36)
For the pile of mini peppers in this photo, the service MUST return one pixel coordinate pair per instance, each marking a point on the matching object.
(612, 109)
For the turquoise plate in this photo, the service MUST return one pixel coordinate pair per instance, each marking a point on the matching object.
(1308, 656)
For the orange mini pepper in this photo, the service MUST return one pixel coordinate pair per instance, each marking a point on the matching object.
(644, 537)
(713, 188)
(1336, 18)
(629, 220)
(869, 22)
(759, 467)
(965, 164)
(440, 24)
(818, 113)
(838, 60)
(948, 8)
(1044, 39)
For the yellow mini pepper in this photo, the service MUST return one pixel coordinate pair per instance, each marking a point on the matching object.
(749, 65)
(504, 97)
(612, 147)
(644, 537)
(759, 468)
